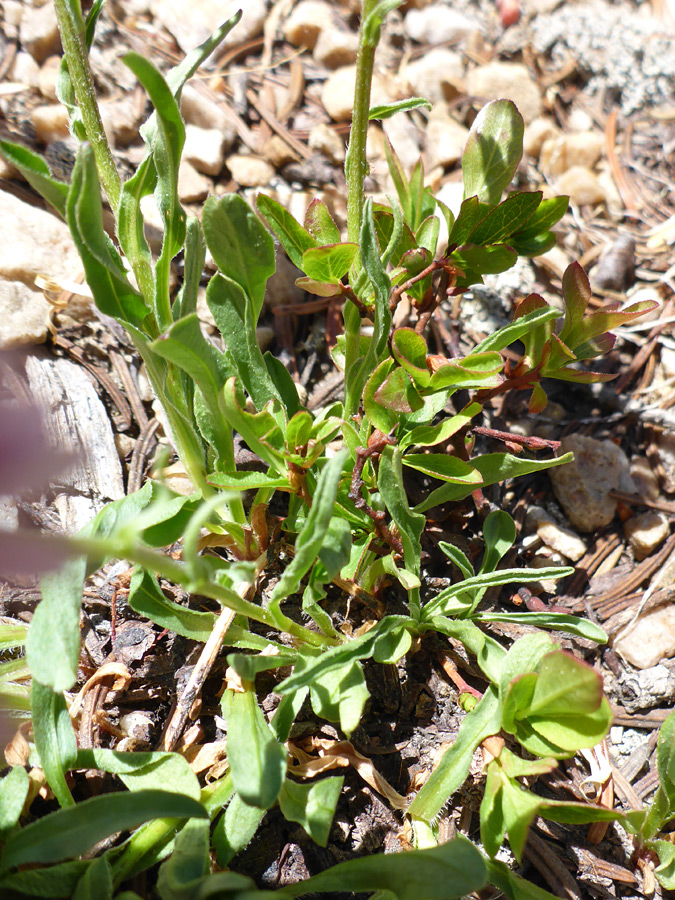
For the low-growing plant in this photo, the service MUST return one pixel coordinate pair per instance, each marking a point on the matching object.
(339, 476)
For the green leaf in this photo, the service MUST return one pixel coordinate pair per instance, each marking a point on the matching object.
(476, 261)
(51, 881)
(235, 829)
(328, 263)
(236, 320)
(513, 886)
(146, 598)
(139, 771)
(36, 172)
(194, 255)
(449, 871)
(451, 771)
(54, 738)
(428, 435)
(310, 539)
(390, 109)
(508, 216)
(106, 276)
(443, 604)
(180, 875)
(410, 350)
(499, 534)
(96, 883)
(442, 466)
(312, 805)
(361, 647)
(291, 235)
(665, 871)
(516, 329)
(475, 370)
(246, 481)
(565, 686)
(489, 653)
(545, 217)
(370, 27)
(397, 393)
(493, 150)
(165, 141)
(74, 830)
(257, 760)
(494, 468)
(553, 621)
(339, 695)
(185, 346)
(410, 524)
(13, 792)
(665, 758)
(240, 245)
(470, 213)
(319, 223)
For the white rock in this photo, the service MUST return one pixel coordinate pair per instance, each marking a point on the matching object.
(34, 242)
(306, 22)
(326, 140)
(581, 186)
(557, 537)
(192, 26)
(9, 514)
(24, 315)
(153, 222)
(192, 186)
(119, 120)
(583, 486)
(197, 109)
(437, 25)
(404, 137)
(12, 15)
(445, 139)
(205, 149)
(336, 47)
(249, 171)
(646, 482)
(337, 94)
(50, 122)
(436, 76)
(506, 80)
(536, 133)
(26, 70)
(645, 532)
(650, 639)
(558, 154)
(39, 32)
(47, 78)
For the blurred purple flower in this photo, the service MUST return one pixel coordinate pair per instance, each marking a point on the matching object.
(26, 462)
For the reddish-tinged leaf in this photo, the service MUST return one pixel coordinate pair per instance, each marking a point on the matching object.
(576, 293)
(397, 393)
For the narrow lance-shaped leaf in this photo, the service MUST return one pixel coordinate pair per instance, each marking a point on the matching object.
(72, 831)
(311, 537)
(54, 739)
(257, 760)
(389, 109)
(36, 172)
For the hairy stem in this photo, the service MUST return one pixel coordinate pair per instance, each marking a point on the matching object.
(71, 28)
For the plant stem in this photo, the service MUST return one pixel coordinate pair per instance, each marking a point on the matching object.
(71, 28)
(356, 165)
(356, 169)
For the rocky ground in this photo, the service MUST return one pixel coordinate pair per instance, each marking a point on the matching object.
(595, 83)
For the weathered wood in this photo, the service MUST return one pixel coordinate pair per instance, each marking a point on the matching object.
(76, 421)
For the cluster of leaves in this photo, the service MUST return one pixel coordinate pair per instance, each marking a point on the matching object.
(347, 517)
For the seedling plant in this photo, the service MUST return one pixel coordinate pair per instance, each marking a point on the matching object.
(327, 509)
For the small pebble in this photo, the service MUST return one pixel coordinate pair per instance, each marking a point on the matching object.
(645, 532)
(336, 47)
(250, 171)
(558, 154)
(650, 639)
(497, 80)
(581, 186)
(305, 23)
(50, 123)
(205, 149)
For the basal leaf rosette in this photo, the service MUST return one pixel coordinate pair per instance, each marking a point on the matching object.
(557, 709)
